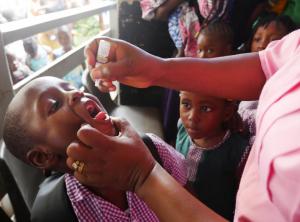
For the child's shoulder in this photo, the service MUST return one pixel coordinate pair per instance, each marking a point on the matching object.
(237, 145)
(238, 138)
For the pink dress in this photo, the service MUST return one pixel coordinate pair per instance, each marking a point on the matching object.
(270, 185)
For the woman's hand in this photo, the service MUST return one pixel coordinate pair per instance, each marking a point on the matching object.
(126, 63)
(120, 162)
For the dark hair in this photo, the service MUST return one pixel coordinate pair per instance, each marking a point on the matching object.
(265, 21)
(16, 136)
(219, 28)
(30, 46)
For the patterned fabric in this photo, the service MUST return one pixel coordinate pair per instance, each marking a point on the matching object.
(247, 111)
(194, 156)
(89, 207)
(214, 173)
(189, 26)
(183, 23)
(174, 30)
(209, 11)
(148, 8)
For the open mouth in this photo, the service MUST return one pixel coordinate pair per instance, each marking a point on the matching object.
(92, 108)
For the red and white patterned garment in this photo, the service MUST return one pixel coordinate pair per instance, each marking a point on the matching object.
(89, 207)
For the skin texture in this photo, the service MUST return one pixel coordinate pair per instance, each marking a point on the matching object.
(53, 111)
(264, 35)
(64, 39)
(163, 12)
(133, 66)
(202, 117)
(211, 46)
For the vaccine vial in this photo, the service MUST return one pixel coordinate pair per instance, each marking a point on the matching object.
(102, 56)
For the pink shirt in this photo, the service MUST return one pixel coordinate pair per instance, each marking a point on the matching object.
(270, 186)
(89, 207)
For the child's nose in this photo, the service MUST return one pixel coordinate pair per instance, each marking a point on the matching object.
(193, 116)
(263, 44)
(74, 96)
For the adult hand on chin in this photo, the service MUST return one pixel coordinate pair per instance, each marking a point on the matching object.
(120, 162)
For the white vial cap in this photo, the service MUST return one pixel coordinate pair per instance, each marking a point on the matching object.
(103, 51)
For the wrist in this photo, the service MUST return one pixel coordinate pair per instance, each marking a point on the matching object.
(149, 182)
(160, 68)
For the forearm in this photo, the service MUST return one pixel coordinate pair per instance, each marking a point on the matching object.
(171, 202)
(169, 5)
(234, 77)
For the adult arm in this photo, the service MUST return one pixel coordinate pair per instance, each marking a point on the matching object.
(105, 166)
(236, 77)
(171, 202)
(163, 12)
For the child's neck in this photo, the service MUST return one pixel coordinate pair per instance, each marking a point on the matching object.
(207, 142)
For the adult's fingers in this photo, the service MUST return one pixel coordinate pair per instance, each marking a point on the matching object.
(91, 49)
(105, 86)
(123, 126)
(90, 52)
(78, 151)
(92, 137)
(112, 70)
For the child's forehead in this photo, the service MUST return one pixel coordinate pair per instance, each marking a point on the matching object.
(210, 38)
(188, 94)
(42, 85)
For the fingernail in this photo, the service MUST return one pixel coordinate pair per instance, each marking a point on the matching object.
(95, 74)
(104, 71)
(104, 83)
(97, 83)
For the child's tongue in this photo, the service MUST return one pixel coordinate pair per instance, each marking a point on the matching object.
(100, 116)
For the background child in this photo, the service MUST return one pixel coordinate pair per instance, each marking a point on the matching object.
(215, 154)
(268, 28)
(37, 56)
(215, 39)
(65, 40)
(265, 30)
(43, 119)
(17, 69)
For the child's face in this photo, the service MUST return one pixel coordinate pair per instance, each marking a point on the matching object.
(31, 49)
(11, 62)
(64, 39)
(264, 35)
(53, 111)
(212, 46)
(202, 116)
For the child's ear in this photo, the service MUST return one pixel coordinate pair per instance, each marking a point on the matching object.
(40, 158)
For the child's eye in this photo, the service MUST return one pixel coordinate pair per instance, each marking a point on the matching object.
(185, 105)
(54, 107)
(205, 109)
(256, 39)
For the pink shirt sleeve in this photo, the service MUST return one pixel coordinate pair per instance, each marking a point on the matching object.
(275, 55)
(279, 156)
(172, 160)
